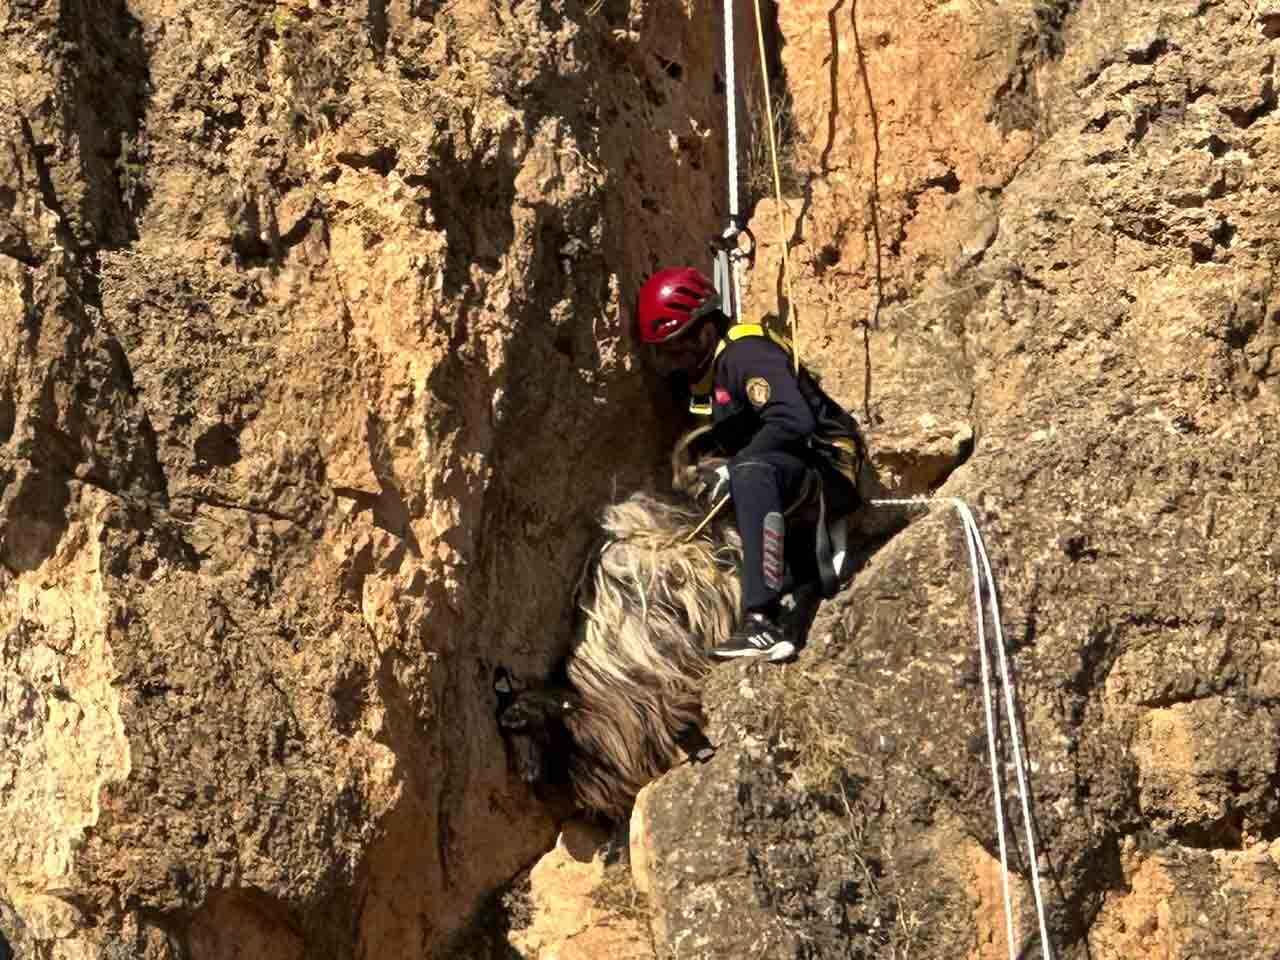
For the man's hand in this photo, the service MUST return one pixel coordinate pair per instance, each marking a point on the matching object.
(712, 484)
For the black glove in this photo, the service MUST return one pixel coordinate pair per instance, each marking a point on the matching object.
(712, 484)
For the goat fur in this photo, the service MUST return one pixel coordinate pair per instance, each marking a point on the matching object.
(653, 600)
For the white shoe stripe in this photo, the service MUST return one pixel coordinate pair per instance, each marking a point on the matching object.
(776, 651)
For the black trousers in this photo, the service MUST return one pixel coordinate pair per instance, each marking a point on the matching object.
(780, 556)
(777, 557)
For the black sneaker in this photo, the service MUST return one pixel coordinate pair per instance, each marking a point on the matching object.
(759, 637)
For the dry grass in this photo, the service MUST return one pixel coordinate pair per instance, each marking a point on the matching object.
(617, 897)
(757, 165)
(908, 914)
(812, 723)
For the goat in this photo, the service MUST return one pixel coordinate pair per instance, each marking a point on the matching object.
(652, 600)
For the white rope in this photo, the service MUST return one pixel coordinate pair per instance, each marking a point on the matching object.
(732, 263)
(978, 553)
(1015, 735)
(731, 104)
(997, 793)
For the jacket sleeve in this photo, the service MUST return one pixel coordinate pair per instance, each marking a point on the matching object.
(762, 379)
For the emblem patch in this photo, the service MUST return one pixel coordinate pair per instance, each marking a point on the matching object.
(758, 391)
(722, 396)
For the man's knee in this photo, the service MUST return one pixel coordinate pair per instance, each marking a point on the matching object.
(777, 473)
(752, 473)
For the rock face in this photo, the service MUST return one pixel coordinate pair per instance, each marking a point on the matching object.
(1061, 217)
(582, 904)
(311, 374)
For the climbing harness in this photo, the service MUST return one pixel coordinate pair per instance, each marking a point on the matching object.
(984, 584)
(835, 440)
(700, 405)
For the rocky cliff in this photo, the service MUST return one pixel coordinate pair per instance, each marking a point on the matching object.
(1059, 220)
(311, 375)
(313, 369)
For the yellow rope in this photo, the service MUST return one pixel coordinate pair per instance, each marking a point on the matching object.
(777, 190)
(711, 515)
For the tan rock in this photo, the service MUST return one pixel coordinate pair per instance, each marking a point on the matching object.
(295, 302)
(638, 846)
(1030, 229)
(582, 906)
(313, 367)
(1200, 763)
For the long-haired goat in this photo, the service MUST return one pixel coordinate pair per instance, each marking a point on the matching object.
(653, 599)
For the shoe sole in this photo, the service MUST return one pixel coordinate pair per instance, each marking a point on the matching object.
(779, 651)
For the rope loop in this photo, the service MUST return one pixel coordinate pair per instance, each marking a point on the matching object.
(984, 586)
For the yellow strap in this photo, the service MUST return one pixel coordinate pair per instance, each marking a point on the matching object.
(740, 330)
(777, 189)
(702, 408)
(703, 387)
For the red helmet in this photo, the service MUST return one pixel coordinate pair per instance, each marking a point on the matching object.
(670, 300)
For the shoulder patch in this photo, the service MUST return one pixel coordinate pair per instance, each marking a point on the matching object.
(758, 391)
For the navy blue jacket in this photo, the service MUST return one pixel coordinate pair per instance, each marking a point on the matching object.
(759, 404)
(756, 402)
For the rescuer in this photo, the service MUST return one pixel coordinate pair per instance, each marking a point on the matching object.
(775, 424)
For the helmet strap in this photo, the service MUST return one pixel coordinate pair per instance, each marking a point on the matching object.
(716, 321)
